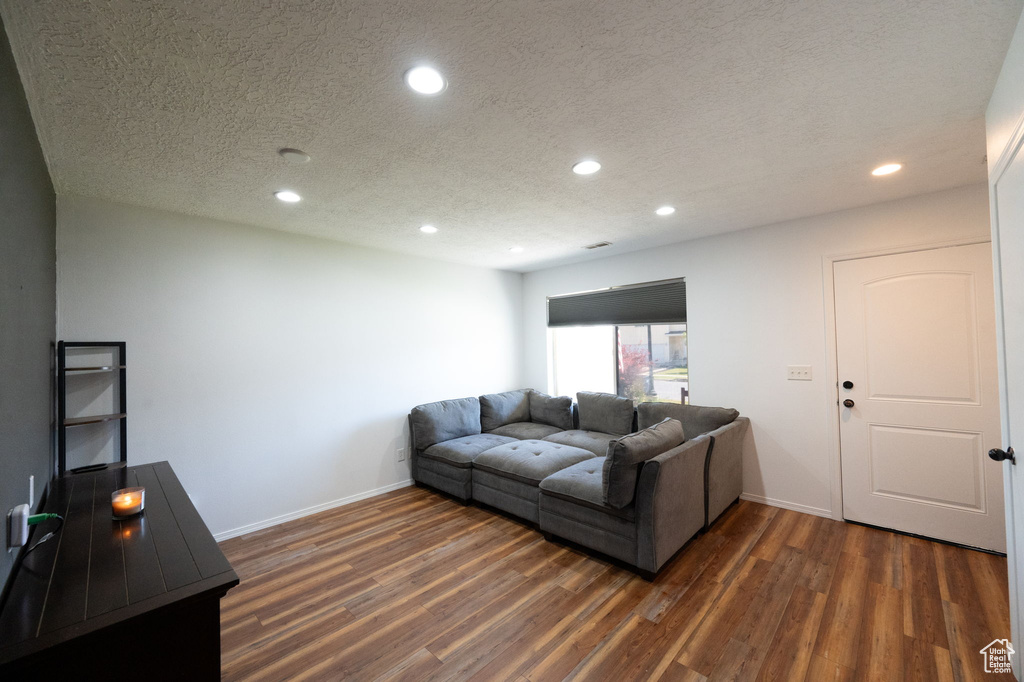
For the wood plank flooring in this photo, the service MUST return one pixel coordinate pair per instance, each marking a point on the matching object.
(413, 586)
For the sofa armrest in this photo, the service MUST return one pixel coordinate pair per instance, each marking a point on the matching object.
(670, 502)
(723, 471)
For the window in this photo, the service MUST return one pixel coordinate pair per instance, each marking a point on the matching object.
(582, 359)
(621, 340)
(651, 362)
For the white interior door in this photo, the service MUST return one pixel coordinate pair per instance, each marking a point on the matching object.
(915, 336)
(1008, 247)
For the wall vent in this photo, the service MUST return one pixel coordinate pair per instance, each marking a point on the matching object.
(598, 245)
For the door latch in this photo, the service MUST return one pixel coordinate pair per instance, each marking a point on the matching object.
(999, 455)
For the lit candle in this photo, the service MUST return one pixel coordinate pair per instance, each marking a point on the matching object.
(127, 501)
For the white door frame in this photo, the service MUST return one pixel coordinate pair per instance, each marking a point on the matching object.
(996, 170)
(831, 362)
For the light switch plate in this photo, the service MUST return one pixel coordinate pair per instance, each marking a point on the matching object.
(798, 372)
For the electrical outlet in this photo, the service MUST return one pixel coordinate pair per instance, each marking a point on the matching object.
(17, 526)
(798, 373)
(400, 454)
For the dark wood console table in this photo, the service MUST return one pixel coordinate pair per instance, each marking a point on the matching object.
(137, 598)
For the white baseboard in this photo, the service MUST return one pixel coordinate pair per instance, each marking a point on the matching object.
(792, 506)
(260, 525)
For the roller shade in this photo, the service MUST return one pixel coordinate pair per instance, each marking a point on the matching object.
(654, 302)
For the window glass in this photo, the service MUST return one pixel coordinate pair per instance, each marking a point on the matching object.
(652, 363)
(644, 362)
(583, 359)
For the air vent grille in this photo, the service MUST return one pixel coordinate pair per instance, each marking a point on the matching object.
(598, 245)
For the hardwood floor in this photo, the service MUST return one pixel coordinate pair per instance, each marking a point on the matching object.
(413, 586)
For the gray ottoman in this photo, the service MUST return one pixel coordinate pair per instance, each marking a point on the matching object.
(508, 476)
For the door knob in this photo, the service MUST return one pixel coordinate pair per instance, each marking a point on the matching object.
(998, 455)
(848, 403)
(847, 384)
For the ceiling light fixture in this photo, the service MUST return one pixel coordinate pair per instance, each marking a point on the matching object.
(425, 80)
(516, 249)
(666, 210)
(428, 229)
(587, 167)
(287, 196)
(887, 169)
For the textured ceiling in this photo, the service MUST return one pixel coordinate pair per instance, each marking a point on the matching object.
(738, 112)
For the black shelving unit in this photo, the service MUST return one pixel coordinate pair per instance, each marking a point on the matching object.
(64, 422)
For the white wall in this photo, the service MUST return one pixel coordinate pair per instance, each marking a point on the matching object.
(275, 371)
(756, 304)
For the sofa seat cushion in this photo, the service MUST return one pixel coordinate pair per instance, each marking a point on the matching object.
(526, 430)
(461, 452)
(594, 441)
(583, 483)
(530, 461)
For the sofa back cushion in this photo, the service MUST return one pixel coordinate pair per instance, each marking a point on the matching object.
(694, 418)
(626, 454)
(546, 409)
(498, 409)
(441, 421)
(605, 412)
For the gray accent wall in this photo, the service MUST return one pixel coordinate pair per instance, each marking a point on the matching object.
(28, 303)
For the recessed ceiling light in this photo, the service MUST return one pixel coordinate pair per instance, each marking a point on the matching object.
(586, 167)
(293, 155)
(516, 249)
(287, 196)
(428, 229)
(425, 80)
(666, 210)
(887, 168)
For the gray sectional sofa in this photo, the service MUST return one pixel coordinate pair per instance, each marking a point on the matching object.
(634, 484)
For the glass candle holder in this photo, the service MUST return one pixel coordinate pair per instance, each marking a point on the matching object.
(127, 502)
